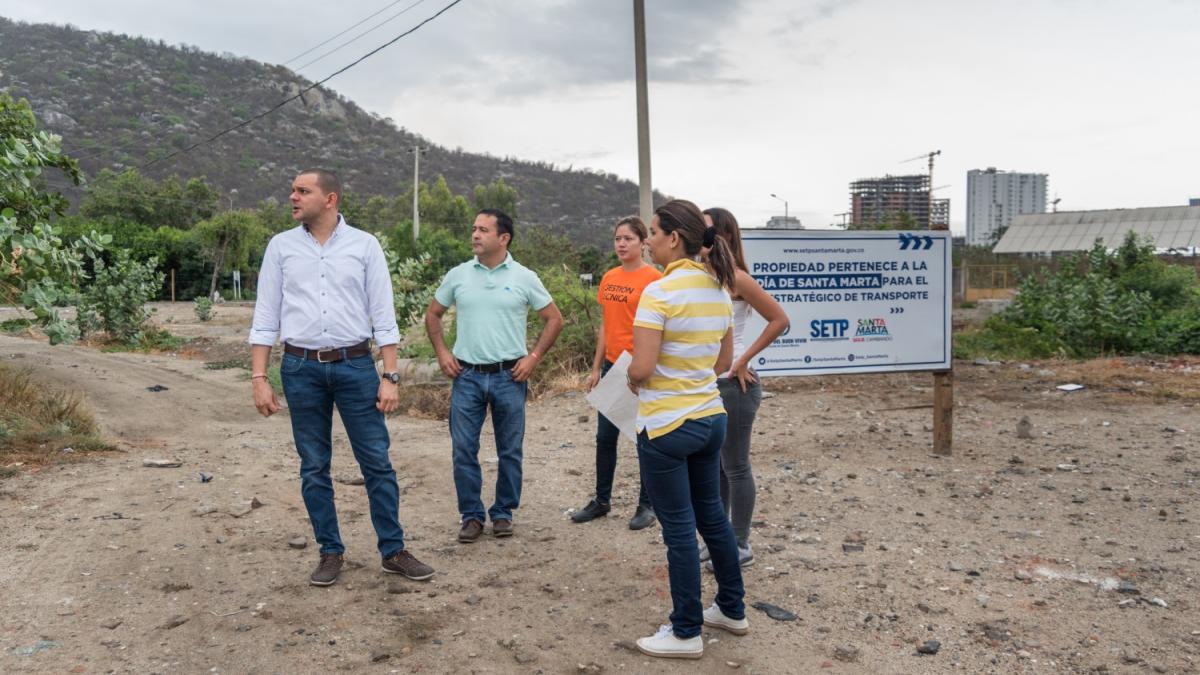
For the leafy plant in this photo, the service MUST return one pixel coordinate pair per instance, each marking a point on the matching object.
(1118, 302)
(38, 269)
(203, 307)
(115, 301)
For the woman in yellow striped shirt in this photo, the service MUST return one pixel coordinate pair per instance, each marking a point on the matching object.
(681, 341)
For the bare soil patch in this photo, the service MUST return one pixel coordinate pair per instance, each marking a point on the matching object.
(1071, 550)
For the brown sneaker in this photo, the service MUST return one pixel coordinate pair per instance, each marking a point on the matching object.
(471, 529)
(502, 528)
(327, 570)
(404, 563)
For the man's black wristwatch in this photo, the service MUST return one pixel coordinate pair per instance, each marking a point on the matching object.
(394, 378)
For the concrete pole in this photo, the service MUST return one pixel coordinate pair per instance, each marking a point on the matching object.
(645, 191)
(416, 151)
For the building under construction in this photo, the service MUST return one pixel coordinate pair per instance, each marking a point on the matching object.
(876, 202)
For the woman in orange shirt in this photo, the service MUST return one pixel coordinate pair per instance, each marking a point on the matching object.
(620, 290)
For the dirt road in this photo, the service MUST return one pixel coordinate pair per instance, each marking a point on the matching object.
(1074, 550)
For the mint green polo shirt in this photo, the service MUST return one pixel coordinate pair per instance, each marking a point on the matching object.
(493, 306)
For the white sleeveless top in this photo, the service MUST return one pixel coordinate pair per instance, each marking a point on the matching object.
(741, 312)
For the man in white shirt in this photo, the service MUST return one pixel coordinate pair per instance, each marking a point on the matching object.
(324, 291)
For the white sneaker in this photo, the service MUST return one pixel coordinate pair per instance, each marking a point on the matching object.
(715, 618)
(666, 645)
(745, 558)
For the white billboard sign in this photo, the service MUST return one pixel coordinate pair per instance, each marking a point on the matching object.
(859, 301)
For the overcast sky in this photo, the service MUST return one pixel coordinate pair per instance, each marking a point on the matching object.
(749, 98)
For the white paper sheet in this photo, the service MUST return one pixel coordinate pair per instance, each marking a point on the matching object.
(612, 397)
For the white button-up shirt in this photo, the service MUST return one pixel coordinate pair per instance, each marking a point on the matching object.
(315, 296)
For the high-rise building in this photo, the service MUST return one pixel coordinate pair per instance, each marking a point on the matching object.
(940, 218)
(892, 200)
(995, 197)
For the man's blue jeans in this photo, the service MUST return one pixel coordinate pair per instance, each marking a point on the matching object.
(681, 471)
(472, 395)
(312, 390)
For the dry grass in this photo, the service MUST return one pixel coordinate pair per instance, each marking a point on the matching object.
(1165, 379)
(427, 401)
(37, 423)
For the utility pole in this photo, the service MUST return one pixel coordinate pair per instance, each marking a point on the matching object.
(645, 191)
(416, 151)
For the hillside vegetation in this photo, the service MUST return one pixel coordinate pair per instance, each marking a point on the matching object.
(121, 101)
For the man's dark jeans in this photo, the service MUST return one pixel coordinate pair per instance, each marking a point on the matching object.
(312, 389)
(472, 395)
(607, 435)
(681, 471)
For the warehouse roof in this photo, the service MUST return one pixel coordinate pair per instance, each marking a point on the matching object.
(1171, 227)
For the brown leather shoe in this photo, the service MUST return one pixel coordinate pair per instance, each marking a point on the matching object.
(502, 528)
(403, 562)
(327, 570)
(471, 529)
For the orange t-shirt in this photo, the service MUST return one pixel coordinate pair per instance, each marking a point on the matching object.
(618, 296)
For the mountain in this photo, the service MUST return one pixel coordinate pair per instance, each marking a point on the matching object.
(120, 102)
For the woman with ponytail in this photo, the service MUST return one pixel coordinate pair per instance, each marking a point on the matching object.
(682, 340)
(741, 392)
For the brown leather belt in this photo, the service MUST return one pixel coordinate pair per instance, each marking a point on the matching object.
(331, 355)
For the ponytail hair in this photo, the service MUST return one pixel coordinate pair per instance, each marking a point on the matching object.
(684, 217)
(726, 227)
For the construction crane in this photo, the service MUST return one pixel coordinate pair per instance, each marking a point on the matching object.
(929, 156)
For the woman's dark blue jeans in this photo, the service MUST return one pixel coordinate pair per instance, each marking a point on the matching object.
(681, 472)
(607, 435)
(312, 389)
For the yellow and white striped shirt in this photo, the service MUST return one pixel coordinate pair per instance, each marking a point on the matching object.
(693, 312)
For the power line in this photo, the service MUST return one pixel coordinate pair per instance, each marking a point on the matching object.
(319, 45)
(300, 94)
(351, 41)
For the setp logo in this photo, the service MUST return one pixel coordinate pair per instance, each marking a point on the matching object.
(828, 328)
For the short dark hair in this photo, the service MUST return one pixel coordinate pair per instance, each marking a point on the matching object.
(504, 222)
(326, 180)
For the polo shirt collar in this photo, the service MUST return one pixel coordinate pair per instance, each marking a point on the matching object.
(507, 259)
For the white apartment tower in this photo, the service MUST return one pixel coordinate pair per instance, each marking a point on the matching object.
(995, 197)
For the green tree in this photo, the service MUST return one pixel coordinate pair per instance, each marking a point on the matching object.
(497, 195)
(228, 239)
(38, 268)
(131, 197)
(442, 208)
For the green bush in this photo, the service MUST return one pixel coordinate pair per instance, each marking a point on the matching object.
(1121, 302)
(115, 301)
(203, 307)
(572, 353)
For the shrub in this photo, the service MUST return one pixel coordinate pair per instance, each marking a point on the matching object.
(203, 307)
(1119, 302)
(115, 301)
(572, 353)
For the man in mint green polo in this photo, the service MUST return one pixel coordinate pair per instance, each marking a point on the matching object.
(490, 365)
